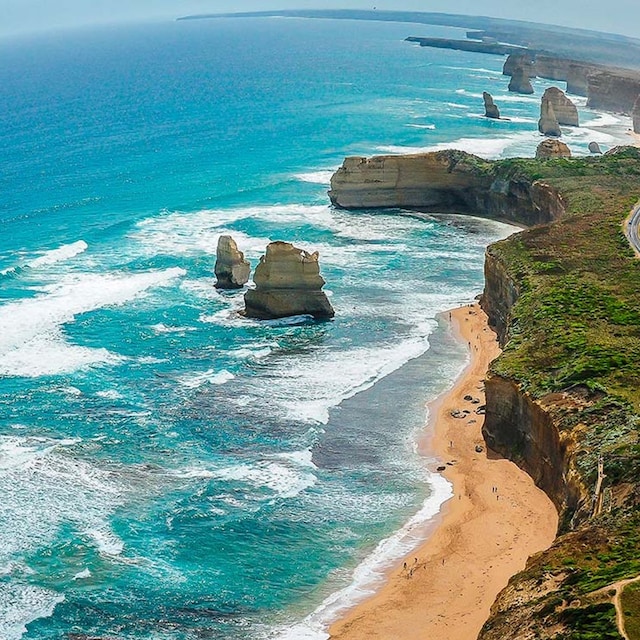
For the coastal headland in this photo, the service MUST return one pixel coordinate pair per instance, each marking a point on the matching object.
(563, 399)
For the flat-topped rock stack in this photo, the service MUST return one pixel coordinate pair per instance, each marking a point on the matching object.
(288, 283)
(552, 148)
(231, 269)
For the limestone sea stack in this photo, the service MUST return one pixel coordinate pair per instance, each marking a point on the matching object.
(594, 147)
(552, 148)
(548, 124)
(288, 283)
(231, 269)
(490, 108)
(635, 114)
(520, 77)
(564, 109)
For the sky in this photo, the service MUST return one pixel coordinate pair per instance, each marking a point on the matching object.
(25, 16)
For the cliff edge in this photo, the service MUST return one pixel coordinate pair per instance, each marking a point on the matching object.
(563, 400)
(445, 182)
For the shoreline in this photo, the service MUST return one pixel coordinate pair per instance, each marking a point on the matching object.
(480, 538)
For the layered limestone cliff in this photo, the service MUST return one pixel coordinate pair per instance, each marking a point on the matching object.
(607, 88)
(517, 426)
(444, 182)
(562, 402)
(288, 283)
(231, 269)
(613, 90)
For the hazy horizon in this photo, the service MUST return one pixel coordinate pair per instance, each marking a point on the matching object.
(27, 16)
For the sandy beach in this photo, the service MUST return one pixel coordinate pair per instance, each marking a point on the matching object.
(495, 521)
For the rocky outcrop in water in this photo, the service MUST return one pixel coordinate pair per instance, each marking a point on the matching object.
(548, 124)
(231, 269)
(490, 108)
(594, 147)
(288, 283)
(564, 109)
(445, 182)
(551, 148)
(520, 79)
(635, 114)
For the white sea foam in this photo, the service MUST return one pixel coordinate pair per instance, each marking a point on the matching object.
(286, 479)
(65, 252)
(109, 394)
(253, 352)
(196, 380)
(490, 148)
(316, 177)
(42, 482)
(163, 328)
(371, 572)
(81, 575)
(197, 233)
(31, 338)
(21, 604)
(106, 541)
(53, 256)
(430, 127)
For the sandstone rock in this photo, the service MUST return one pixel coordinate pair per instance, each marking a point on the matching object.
(548, 124)
(447, 181)
(613, 90)
(566, 112)
(519, 60)
(635, 114)
(288, 283)
(490, 108)
(594, 147)
(520, 82)
(231, 269)
(552, 149)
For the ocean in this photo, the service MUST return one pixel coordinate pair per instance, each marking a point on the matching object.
(168, 469)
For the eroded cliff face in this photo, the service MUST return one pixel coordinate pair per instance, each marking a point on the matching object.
(499, 296)
(443, 182)
(613, 90)
(524, 430)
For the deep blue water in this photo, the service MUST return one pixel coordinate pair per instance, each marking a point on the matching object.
(168, 469)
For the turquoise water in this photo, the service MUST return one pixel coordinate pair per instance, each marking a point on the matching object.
(168, 469)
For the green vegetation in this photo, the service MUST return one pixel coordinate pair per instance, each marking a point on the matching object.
(576, 325)
(631, 610)
(596, 622)
(574, 340)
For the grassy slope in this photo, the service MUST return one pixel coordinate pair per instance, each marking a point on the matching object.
(576, 329)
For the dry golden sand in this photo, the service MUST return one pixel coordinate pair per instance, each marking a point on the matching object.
(484, 536)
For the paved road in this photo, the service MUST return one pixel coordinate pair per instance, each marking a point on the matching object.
(633, 228)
